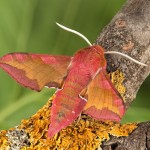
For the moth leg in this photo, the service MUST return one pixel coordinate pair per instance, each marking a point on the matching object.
(78, 119)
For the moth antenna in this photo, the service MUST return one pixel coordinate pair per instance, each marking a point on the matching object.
(75, 32)
(136, 61)
(108, 52)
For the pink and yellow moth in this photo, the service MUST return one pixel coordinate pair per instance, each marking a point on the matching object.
(82, 82)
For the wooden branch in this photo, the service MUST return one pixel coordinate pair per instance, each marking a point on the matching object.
(139, 139)
(129, 33)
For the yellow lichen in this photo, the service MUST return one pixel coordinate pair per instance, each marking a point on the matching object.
(3, 140)
(117, 79)
(122, 130)
(83, 134)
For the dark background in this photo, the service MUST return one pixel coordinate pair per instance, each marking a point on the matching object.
(29, 26)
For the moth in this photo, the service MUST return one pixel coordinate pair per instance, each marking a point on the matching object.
(81, 81)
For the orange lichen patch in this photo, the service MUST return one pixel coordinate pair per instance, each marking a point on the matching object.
(122, 130)
(128, 46)
(3, 140)
(83, 134)
(120, 23)
(117, 79)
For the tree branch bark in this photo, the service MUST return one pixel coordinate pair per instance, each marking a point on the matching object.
(129, 33)
(139, 139)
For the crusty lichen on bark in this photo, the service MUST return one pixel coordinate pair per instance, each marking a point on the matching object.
(86, 133)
